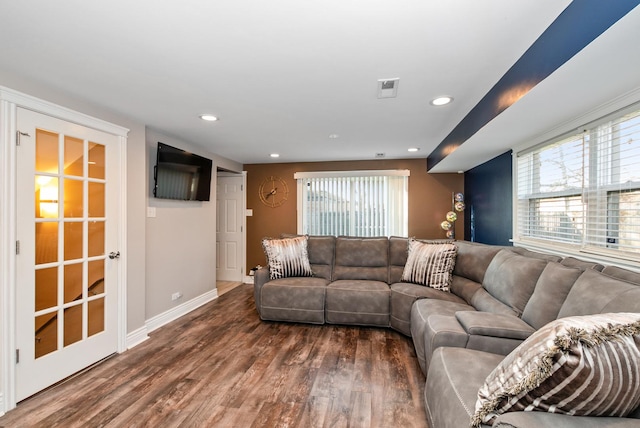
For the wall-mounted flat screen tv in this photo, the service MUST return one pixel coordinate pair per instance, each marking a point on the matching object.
(181, 175)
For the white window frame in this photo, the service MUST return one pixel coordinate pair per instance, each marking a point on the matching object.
(398, 209)
(599, 184)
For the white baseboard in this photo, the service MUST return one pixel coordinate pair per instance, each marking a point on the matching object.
(180, 310)
(1, 404)
(136, 337)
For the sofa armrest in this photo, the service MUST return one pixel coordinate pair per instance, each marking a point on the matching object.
(494, 325)
(544, 419)
(260, 278)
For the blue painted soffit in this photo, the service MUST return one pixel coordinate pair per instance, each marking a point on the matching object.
(577, 26)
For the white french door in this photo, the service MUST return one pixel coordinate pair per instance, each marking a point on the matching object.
(67, 227)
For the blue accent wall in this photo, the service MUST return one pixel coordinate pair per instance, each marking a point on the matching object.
(488, 192)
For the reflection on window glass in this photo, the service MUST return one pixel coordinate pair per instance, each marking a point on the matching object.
(46, 334)
(46, 288)
(73, 156)
(96, 316)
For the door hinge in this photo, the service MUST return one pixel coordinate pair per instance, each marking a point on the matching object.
(18, 134)
(17, 356)
(241, 187)
(17, 247)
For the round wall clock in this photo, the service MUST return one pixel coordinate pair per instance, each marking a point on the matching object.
(273, 191)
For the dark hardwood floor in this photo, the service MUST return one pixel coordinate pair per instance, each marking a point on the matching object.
(220, 366)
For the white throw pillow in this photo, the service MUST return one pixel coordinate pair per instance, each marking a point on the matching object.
(430, 264)
(287, 257)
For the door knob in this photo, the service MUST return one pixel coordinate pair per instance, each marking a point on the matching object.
(114, 255)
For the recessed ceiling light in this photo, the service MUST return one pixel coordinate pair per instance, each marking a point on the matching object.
(413, 149)
(334, 136)
(274, 155)
(440, 101)
(208, 117)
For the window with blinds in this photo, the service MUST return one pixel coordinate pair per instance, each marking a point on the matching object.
(584, 190)
(353, 203)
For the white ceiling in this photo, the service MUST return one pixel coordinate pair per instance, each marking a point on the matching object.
(285, 74)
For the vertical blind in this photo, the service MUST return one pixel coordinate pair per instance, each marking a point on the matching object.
(584, 190)
(353, 203)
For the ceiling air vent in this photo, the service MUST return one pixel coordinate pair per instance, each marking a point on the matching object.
(388, 88)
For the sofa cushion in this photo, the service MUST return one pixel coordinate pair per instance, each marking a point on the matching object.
(472, 259)
(287, 257)
(443, 331)
(581, 264)
(404, 294)
(585, 365)
(430, 264)
(623, 274)
(295, 299)
(511, 278)
(398, 252)
(451, 391)
(551, 290)
(321, 250)
(420, 312)
(494, 325)
(535, 255)
(358, 302)
(362, 258)
(485, 302)
(596, 292)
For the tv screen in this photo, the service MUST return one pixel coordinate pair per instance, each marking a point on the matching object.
(181, 175)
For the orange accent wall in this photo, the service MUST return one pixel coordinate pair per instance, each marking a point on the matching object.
(429, 199)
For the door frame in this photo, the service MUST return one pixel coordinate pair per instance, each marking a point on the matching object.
(242, 218)
(10, 100)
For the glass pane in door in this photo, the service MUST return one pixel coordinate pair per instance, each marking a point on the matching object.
(96, 316)
(73, 198)
(73, 282)
(96, 160)
(96, 199)
(46, 288)
(96, 277)
(46, 151)
(46, 335)
(72, 324)
(46, 194)
(73, 156)
(73, 240)
(96, 238)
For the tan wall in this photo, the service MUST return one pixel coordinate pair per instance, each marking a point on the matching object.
(429, 199)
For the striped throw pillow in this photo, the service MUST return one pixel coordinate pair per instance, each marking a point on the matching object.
(582, 366)
(430, 264)
(287, 257)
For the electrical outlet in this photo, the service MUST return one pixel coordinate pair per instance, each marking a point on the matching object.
(176, 296)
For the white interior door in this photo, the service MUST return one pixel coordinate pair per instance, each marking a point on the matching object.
(229, 215)
(68, 184)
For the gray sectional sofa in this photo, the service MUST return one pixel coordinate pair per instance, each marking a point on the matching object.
(498, 297)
